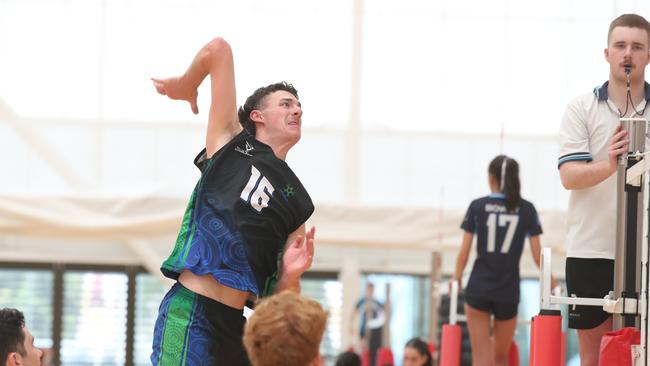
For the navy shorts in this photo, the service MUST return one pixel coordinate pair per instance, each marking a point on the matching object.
(501, 310)
(192, 329)
(588, 277)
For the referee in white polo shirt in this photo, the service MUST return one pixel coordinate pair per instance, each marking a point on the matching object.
(591, 141)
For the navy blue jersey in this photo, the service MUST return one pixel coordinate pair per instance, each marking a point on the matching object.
(239, 217)
(500, 237)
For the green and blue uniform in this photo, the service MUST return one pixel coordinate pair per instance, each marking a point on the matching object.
(236, 224)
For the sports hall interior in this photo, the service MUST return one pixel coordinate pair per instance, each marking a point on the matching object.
(405, 104)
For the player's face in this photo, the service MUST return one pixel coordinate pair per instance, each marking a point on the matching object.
(282, 113)
(413, 358)
(32, 356)
(629, 46)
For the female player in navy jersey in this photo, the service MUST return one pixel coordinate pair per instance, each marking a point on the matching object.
(501, 221)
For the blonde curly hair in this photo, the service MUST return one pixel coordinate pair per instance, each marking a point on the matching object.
(286, 329)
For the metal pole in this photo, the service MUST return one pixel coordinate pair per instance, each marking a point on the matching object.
(434, 279)
(132, 273)
(629, 231)
(353, 134)
(57, 316)
(630, 285)
(385, 337)
(453, 303)
(642, 349)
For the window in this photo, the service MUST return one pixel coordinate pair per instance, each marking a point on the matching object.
(87, 323)
(149, 292)
(329, 292)
(94, 318)
(30, 291)
(94, 310)
(410, 304)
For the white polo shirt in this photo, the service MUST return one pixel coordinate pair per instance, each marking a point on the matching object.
(585, 134)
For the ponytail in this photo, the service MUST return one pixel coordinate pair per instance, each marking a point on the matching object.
(506, 172)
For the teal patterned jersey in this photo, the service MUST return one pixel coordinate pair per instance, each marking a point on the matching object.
(239, 217)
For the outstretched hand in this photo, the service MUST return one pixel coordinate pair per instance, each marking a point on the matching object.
(299, 256)
(178, 89)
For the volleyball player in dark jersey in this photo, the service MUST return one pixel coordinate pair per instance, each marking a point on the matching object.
(501, 221)
(243, 233)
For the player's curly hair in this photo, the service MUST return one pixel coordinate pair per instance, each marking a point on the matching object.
(256, 100)
(285, 329)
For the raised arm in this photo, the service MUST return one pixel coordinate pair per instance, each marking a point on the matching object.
(214, 59)
(297, 258)
(581, 174)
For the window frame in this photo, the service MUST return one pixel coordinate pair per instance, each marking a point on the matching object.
(58, 270)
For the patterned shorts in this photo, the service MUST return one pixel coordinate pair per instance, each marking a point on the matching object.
(192, 329)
